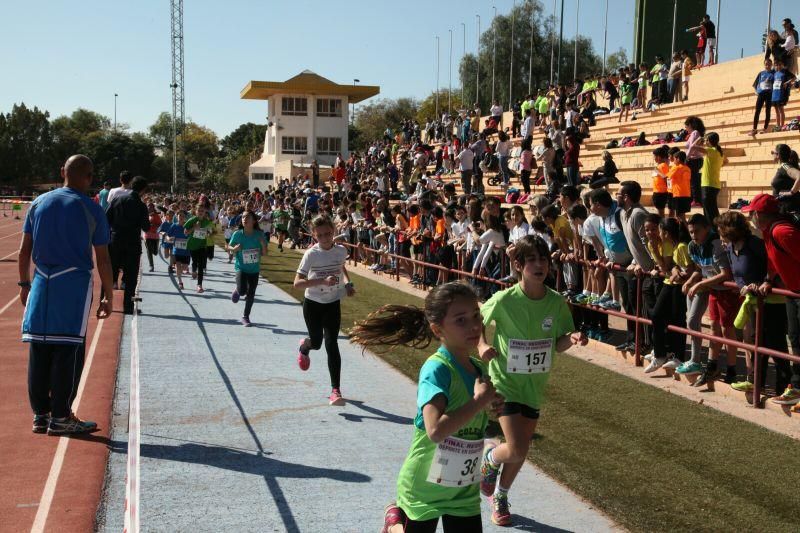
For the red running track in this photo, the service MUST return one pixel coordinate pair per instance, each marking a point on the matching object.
(26, 458)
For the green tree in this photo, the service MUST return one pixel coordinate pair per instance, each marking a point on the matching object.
(26, 143)
(200, 145)
(113, 152)
(427, 108)
(69, 132)
(617, 60)
(244, 139)
(373, 118)
(161, 130)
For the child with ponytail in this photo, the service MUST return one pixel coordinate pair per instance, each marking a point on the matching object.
(439, 478)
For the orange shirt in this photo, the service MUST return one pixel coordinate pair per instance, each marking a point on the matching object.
(680, 177)
(414, 223)
(440, 227)
(659, 183)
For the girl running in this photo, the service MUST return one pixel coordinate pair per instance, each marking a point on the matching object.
(151, 235)
(320, 273)
(166, 245)
(176, 235)
(199, 228)
(247, 244)
(533, 322)
(439, 476)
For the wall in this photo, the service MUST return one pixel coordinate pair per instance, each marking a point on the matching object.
(653, 28)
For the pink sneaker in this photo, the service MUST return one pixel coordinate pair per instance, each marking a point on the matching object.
(392, 515)
(303, 360)
(336, 397)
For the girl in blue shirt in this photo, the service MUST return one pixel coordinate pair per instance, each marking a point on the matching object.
(781, 83)
(248, 244)
(763, 87)
(176, 236)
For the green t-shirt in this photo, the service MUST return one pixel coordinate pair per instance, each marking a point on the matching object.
(712, 164)
(200, 234)
(544, 105)
(518, 319)
(524, 107)
(626, 92)
(248, 258)
(419, 498)
(281, 218)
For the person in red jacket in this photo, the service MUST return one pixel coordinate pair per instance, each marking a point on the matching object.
(782, 240)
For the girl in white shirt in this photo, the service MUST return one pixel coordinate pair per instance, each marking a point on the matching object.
(489, 240)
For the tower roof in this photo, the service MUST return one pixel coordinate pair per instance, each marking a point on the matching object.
(307, 82)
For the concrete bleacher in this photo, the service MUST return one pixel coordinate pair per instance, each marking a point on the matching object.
(722, 96)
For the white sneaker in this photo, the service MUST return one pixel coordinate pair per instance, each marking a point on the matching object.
(655, 365)
(649, 357)
(672, 362)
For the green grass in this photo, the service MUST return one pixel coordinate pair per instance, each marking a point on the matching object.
(651, 460)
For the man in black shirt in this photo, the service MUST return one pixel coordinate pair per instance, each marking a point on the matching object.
(128, 218)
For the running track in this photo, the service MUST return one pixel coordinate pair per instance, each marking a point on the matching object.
(32, 498)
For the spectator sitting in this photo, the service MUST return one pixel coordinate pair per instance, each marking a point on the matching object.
(602, 176)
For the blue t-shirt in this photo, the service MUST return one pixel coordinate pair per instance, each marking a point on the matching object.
(248, 258)
(181, 239)
(778, 91)
(611, 231)
(103, 195)
(164, 228)
(764, 81)
(65, 224)
(434, 379)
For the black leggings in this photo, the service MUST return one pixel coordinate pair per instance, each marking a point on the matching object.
(764, 100)
(246, 284)
(199, 261)
(525, 178)
(695, 165)
(710, 209)
(670, 309)
(152, 249)
(450, 524)
(324, 321)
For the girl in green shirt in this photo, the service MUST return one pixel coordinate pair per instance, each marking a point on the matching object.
(440, 474)
(532, 323)
(199, 228)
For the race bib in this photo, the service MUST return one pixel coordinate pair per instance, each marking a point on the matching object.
(200, 233)
(763, 86)
(776, 85)
(456, 463)
(529, 357)
(180, 244)
(250, 257)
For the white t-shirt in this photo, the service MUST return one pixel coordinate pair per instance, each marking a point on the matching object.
(466, 159)
(591, 227)
(518, 232)
(265, 221)
(318, 263)
(116, 191)
(496, 110)
(503, 148)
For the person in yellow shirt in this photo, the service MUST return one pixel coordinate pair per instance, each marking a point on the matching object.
(710, 183)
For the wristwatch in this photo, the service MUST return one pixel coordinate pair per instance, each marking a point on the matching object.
(24, 284)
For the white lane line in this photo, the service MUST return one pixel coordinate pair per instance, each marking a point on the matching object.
(134, 434)
(15, 252)
(7, 236)
(58, 460)
(9, 304)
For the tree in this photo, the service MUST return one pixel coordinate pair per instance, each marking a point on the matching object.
(427, 108)
(372, 119)
(529, 20)
(69, 132)
(617, 60)
(200, 145)
(26, 142)
(244, 139)
(113, 152)
(161, 130)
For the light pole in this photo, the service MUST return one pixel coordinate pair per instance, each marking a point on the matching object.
(353, 105)
(463, 55)
(575, 64)
(605, 38)
(494, 48)
(553, 42)
(115, 112)
(437, 77)
(530, 58)
(450, 75)
(560, 42)
(716, 52)
(769, 21)
(478, 61)
(511, 63)
(674, 24)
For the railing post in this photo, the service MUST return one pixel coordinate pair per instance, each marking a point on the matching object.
(637, 356)
(756, 358)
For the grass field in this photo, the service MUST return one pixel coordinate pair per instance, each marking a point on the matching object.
(650, 460)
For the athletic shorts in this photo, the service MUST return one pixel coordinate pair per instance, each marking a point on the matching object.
(182, 259)
(681, 205)
(723, 307)
(711, 41)
(661, 199)
(513, 408)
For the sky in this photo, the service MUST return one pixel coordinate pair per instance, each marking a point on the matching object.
(60, 55)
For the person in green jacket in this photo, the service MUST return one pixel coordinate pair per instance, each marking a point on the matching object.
(199, 228)
(440, 475)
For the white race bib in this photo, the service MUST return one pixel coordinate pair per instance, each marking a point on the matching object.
(776, 85)
(200, 233)
(529, 357)
(250, 257)
(456, 463)
(180, 244)
(763, 86)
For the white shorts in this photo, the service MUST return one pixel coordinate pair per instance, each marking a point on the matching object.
(712, 42)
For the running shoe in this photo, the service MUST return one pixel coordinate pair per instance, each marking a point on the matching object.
(336, 397)
(200, 289)
(152, 269)
(180, 285)
(581, 298)
(245, 321)
(501, 511)
(600, 300)
(655, 364)
(624, 347)
(235, 296)
(706, 377)
(649, 357)
(743, 386)
(603, 335)
(489, 473)
(672, 362)
(790, 396)
(689, 368)
(303, 360)
(194, 275)
(40, 423)
(610, 304)
(392, 516)
(70, 425)
(591, 333)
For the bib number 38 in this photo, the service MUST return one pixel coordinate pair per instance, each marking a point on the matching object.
(456, 462)
(529, 356)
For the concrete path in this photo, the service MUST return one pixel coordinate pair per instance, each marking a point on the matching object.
(236, 438)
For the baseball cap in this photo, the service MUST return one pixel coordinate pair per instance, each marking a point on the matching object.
(762, 203)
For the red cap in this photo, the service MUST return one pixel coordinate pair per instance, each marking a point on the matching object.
(762, 203)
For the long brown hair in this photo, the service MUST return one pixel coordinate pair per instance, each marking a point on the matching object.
(408, 325)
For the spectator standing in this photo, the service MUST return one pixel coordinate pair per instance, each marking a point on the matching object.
(466, 161)
(102, 196)
(694, 156)
(763, 87)
(128, 218)
(124, 186)
(60, 230)
(710, 183)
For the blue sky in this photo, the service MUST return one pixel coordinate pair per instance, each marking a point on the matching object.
(59, 56)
